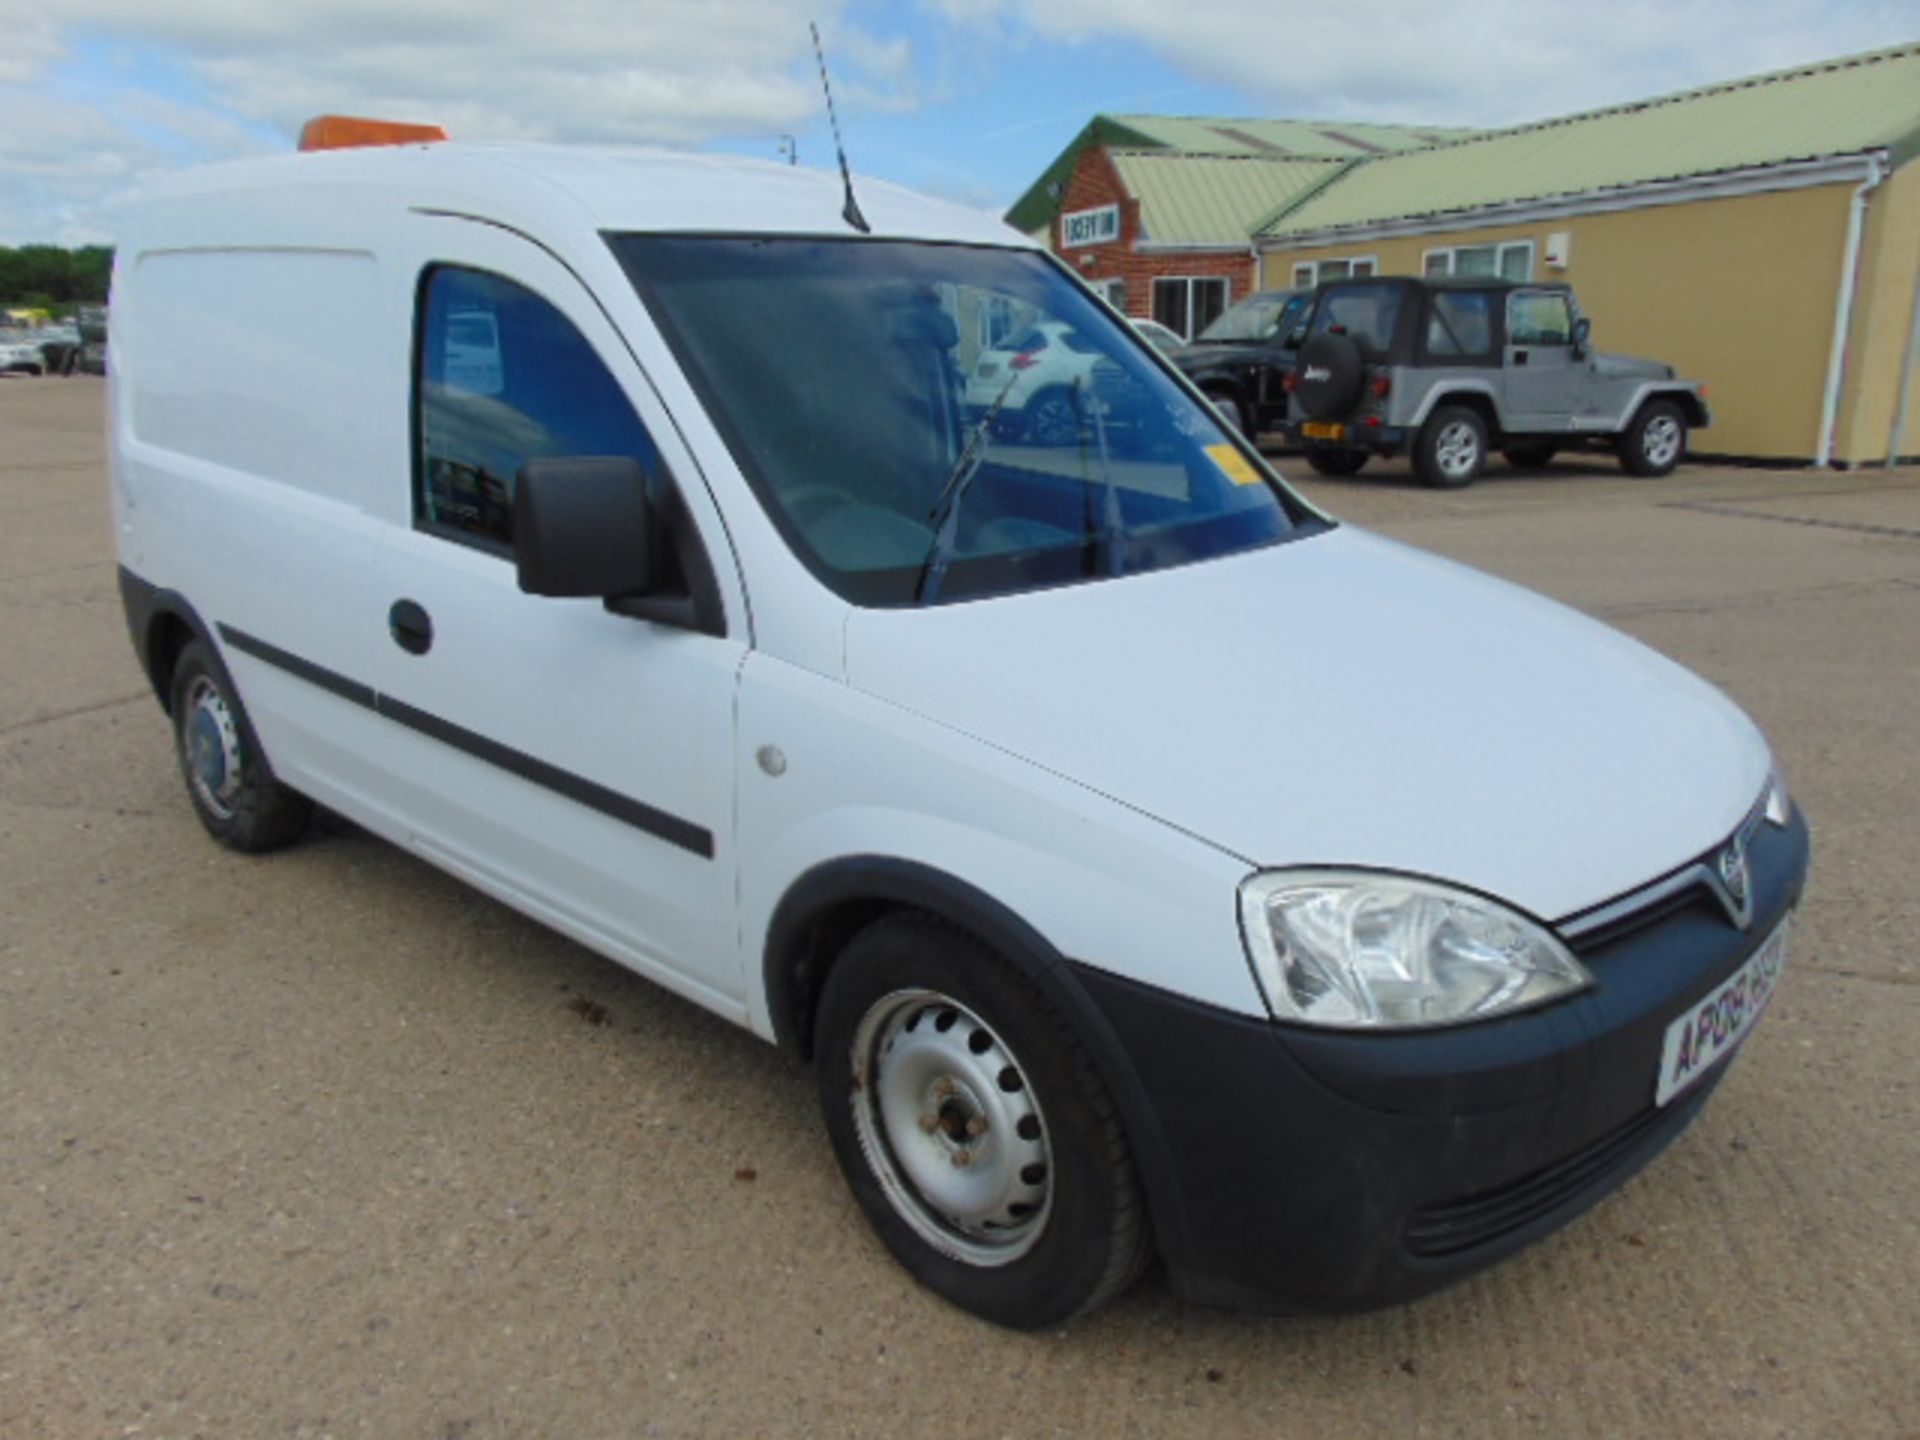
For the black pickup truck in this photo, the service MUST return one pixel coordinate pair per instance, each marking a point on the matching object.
(1240, 359)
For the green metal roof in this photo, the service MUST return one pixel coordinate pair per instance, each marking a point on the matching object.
(1200, 135)
(1211, 199)
(1838, 107)
(1322, 139)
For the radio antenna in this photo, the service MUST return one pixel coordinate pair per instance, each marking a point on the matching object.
(850, 212)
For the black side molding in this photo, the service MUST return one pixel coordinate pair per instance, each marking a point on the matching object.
(684, 834)
(328, 680)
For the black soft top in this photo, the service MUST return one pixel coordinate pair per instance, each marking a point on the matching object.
(1445, 282)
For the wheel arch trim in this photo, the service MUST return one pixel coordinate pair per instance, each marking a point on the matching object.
(148, 609)
(897, 884)
(1459, 392)
(1692, 408)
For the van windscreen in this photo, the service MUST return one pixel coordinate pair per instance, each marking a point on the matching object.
(911, 453)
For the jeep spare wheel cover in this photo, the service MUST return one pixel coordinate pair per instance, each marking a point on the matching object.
(1327, 380)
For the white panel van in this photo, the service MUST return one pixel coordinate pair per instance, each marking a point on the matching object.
(1149, 865)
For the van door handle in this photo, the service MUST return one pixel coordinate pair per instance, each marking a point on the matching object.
(410, 626)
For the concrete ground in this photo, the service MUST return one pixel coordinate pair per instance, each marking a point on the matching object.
(325, 1144)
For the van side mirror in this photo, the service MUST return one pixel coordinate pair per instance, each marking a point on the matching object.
(1582, 328)
(581, 527)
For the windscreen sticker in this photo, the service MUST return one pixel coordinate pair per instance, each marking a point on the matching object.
(1233, 465)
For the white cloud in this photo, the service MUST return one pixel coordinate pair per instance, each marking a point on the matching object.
(675, 72)
(29, 40)
(1476, 62)
(56, 157)
(207, 79)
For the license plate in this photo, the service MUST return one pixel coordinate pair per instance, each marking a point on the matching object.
(1699, 1039)
(1322, 430)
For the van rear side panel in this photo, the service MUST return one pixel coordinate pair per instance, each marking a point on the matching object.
(260, 361)
(260, 420)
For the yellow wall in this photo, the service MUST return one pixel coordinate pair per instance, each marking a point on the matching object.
(1738, 293)
(1882, 324)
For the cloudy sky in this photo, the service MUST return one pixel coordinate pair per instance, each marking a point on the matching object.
(965, 98)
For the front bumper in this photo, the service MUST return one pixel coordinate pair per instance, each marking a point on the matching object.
(1318, 1170)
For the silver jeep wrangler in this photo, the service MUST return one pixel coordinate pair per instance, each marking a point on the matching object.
(1446, 370)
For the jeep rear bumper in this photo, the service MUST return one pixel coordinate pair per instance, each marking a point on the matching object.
(1346, 435)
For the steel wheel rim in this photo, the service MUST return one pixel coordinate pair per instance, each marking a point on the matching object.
(1661, 442)
(1457, 449)
(210, 748)
(951, 1128)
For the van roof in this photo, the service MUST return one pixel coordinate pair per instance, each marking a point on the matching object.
(609, 188)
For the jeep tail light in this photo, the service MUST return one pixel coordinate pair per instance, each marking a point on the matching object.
(1381, 387)
(1290, 382)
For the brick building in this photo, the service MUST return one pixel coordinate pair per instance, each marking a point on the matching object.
(1158, 213)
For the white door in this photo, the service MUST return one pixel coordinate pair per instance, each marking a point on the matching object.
(577, 762)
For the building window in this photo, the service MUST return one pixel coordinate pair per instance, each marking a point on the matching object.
(1509, 260)
(1308, 273)
(1187, 304)
(1114, 292)
(999, 318)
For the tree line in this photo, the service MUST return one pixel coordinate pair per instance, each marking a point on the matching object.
(52, 278)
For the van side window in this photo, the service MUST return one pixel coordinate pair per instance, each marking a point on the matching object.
(504, 378)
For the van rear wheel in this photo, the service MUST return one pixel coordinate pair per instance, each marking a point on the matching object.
(973, 1129)
(228, 780)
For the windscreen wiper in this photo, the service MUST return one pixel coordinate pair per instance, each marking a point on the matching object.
(945, 514)
(1113, 526)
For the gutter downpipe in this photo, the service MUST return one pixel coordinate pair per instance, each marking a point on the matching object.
(1843, 310)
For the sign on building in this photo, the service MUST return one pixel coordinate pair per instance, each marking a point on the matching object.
(1099, 226)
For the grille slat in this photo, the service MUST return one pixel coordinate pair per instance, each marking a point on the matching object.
(1439, 1230)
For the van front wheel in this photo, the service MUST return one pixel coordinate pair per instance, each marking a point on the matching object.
(232, 789)
(973, 1129)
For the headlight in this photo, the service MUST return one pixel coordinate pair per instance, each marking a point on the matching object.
(1358, 951)
(1779, 803)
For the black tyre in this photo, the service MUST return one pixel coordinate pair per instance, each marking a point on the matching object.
(973, 1129)
(1336, 462)
(1656, 440)
(1531, 457)
(228, 780)
(1052, 420)
(1235, 411)
(1452, 448)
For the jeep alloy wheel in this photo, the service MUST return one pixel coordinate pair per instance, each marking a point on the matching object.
(1452, 447)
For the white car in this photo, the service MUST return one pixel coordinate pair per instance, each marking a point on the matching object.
(1038, 382)
(21, 357)
(1148, 863)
